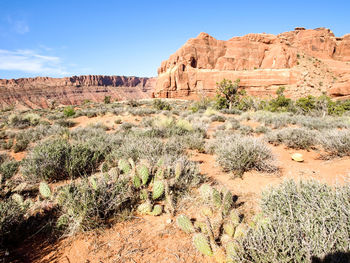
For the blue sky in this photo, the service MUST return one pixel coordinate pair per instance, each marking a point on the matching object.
(61, 38)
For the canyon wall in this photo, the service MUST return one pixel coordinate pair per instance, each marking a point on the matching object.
(41, 91)
(304, 61)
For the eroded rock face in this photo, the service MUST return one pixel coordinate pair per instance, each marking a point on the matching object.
(302, 60)
(40, 91)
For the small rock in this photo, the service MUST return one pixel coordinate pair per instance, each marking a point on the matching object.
(169, 221)
(298, 157)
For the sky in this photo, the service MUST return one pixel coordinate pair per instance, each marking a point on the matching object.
(59, 38)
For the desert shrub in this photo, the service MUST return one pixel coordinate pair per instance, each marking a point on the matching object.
(17, 121)
(202, 104)
(321, 123)
(107, 99)
(84, 205)
(11, 218)
(138, 146)
(6, 145)
(232, 124)
(304, 220)
(68, 111)
(21, 145)
(65, 123)
(336, 142)
(262, 129)
(133, 103)
(8, 169)
(193, 141)
(245, 130)
(218, 118)
(231, 111)
(126, 126)
(240, 154)
(274, 120)
(142, 111)
(161, 104)
(281, 103)
(58, 159)
(296, 138)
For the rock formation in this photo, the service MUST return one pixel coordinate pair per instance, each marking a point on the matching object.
(304, 61)
(40, 91)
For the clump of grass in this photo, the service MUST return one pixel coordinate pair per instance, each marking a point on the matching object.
(161, 104)
(305, 221)
(240, 154)
(296, 138)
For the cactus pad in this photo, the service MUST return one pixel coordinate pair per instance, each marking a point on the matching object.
(229, 228)
(143, 173)
(234, 217)
(44, 190)
(216, 196)
(18, 199)
(124, 166)
(137, 181)
(144, 208)
(157, 210)
(206, 192)
(158, 189)
(227, 202)
(178, 170)
(185, 224)
(202, 244)
(240, 231)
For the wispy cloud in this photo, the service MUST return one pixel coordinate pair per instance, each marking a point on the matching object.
(29, 61)
(20, 26)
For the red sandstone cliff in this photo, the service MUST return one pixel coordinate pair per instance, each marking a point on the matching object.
(305, 61)
(38, 92)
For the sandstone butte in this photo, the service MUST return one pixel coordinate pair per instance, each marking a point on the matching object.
(41, 91)
(304, 61)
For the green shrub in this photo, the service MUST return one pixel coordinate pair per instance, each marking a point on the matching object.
(65, 123)
(11, 218)
(240, 154)
(69, 111)
(305, 220)
(202, 104)
(296, 138)
(161, 105)
(107, 99)
(20, 145)
(281, 103)
(8, 169)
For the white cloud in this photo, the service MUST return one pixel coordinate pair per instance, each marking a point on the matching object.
(30, 62)
(20, 26)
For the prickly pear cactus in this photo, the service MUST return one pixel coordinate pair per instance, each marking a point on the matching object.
(144, 194)
(178, 170)
(143, 173)
(216, 196)
(137, 181)
(44, 190)
(158, 189)
(157, 210)
(93, 183)
(227, 202)
(185, 224)
(144, 208)
(231, 248)
(159, 174)
(202, 244)
(132, 163)
(240, 231)
(229, 228)
(207, 211)
(206, 192)
(18, 199)
(124, 166)
(201, 226)
(234, 217)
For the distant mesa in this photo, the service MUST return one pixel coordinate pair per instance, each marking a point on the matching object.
(305, 61)
(41, 91)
